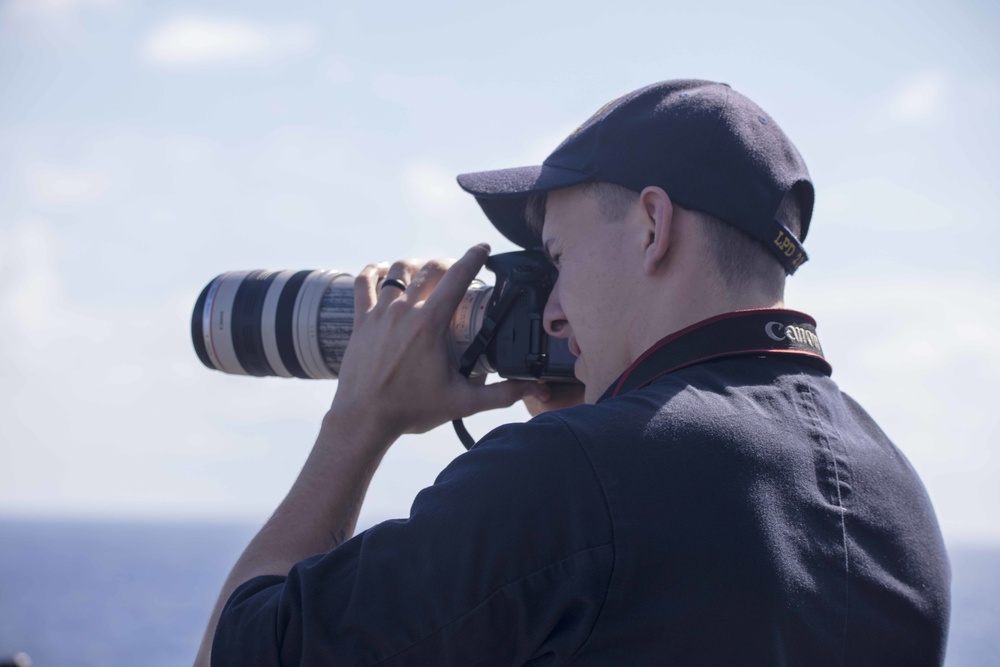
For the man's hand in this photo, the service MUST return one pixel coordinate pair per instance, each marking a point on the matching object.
(397, 376)
(545, 396)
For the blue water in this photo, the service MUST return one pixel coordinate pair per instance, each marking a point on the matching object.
(112, 594)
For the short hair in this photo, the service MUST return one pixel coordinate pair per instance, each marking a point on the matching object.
(613, 201)
(744, 263)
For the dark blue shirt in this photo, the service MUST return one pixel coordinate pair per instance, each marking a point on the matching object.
(738, 511)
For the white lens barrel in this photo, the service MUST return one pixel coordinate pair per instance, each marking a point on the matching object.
(298, 323)
(267, 324)
(307, 324)
(336, 321)
(465, 324)
(218, 322)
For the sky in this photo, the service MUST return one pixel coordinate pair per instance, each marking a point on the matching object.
(146, 147)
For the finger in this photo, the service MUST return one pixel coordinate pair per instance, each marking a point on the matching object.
(563, 395)
(539, 390)
(365, 294)
(456, 281)
(403, 271)
(535, 397)
(427, 278)
(497, 395)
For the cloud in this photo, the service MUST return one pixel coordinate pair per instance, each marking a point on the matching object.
(540, 148)
(890, 206)
(920, 98)
(55, 185)
(431, 189)
(197, 41)
(108, 410)
(56, 10)
(442, 219)
(338, 72)
(55, 23)
(415, 91)
(28, 254)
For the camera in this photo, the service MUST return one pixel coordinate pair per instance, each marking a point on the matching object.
(298, 323)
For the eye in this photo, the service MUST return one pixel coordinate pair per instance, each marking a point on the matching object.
(553, 252)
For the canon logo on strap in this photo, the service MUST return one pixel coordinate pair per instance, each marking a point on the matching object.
(778, 331)
(788, 335)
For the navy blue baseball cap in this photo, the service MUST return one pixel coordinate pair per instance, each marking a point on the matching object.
(709, 147)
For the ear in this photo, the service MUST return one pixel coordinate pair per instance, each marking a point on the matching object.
(658, 212)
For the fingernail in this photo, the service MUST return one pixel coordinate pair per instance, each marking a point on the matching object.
(484, 246)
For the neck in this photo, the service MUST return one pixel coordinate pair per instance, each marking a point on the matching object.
(681, 303)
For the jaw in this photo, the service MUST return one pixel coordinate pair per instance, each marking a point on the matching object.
(591, 393)
(585, 374)
(597, 379)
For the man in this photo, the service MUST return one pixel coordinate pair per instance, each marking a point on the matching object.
(715, 501)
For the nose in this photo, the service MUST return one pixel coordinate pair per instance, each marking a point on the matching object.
(553, 317)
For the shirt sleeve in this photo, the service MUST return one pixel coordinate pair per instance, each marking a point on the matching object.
(505, 560)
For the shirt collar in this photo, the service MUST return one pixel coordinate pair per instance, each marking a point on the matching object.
(758, 332)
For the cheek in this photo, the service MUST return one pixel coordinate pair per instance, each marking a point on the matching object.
(591, 293)
(570, 290)
(582, 307)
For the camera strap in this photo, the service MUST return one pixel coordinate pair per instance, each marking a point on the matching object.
(766, 332)
(495, 314)
(763, 332)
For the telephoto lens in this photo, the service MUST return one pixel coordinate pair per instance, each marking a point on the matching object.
(298, 323)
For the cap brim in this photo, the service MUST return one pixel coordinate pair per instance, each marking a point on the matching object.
(503, 195)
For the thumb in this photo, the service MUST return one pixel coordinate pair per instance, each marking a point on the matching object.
(499, 394)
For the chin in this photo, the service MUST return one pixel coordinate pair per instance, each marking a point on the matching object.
(589, 395)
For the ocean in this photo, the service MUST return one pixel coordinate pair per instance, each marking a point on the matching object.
(93, 594)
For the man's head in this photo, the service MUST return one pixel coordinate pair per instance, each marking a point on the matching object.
(745, 264)
(673, 203)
